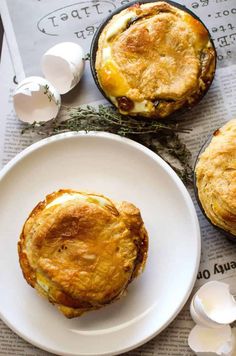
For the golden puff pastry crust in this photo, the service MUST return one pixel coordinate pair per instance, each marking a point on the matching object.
(154, 59)
(216, 178)
(81, 250)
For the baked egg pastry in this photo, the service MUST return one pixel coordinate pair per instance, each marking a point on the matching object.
(153, 59)
(81, 250)
(216, 178)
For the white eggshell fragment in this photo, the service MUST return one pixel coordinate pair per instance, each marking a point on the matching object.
(63, 65)
(214, 301)
(207, 341)
(201, 318)
(36, 100)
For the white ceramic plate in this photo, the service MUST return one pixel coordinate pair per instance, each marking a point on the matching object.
(122, 170)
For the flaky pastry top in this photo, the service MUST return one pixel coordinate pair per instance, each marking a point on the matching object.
(153, 59)
(216, 178)
(81, 250)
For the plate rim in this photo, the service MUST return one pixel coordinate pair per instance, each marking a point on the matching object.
(180, 185)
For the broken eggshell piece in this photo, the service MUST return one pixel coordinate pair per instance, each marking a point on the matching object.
(201, 318)
(35, 99)
(63, 65)
(207, 341)
(214, 304)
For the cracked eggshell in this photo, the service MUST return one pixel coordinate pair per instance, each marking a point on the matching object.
(215, 303)
(201, 318)
(63, 65)
(35, 100)
(207, 341)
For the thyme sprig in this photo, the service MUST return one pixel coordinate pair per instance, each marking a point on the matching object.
(160, 137)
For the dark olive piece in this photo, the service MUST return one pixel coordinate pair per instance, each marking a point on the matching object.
(124, 103)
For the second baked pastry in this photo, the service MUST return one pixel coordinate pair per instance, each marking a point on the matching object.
(153, 59)
(216, 178)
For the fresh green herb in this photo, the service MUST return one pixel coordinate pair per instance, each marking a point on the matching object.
(160, 137)
(50, 96)
(87, 57)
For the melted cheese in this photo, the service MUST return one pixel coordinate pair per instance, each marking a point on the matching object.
(119, 25)
(106, 53)
(43, 282)
(139, 106)
(142, 106)
(90, 198)
(64, 198)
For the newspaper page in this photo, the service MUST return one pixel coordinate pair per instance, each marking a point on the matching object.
(74, 23)
(52, 21)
